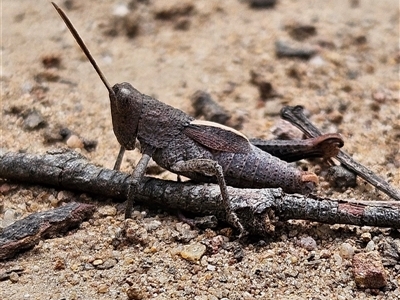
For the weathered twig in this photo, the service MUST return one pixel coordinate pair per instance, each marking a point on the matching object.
(27, 232)
(295, 115)
(205, 106)
(258, 209)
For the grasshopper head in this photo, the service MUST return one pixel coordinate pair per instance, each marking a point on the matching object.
(126, 105)
(125, 100)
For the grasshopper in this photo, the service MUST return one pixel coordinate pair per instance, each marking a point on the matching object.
(200, 150)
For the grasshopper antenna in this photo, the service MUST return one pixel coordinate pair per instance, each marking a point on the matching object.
(95, 66)
(83, 47)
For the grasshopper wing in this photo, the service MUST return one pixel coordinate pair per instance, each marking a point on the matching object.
(217, 137)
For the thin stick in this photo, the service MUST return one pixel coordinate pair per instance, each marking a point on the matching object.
(257, 209)
(295, 115)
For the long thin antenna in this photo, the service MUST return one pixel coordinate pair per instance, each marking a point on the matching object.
(83, 46)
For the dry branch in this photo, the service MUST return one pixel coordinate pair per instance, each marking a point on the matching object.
(258, 209)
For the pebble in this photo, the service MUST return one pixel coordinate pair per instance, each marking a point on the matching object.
(33, 120)
(35, 268)
(338, 259)
(379, 97)
(167, 10)
(335, 117)
(273, 107)
(74, 142)
(193, 252)
(368, 270)
(107, 210)
(218, 242)
(299, 31)
(211, 267)
(308, 243)
(108, 264)
(346, 250)
(53, 201)
(97, 262)
(366, 237)
(135, 293)
(317, 61)
(51, 61)
(9, 218)
(262, 3)
(370, 246)
(137, 234)
(53, 134)
(14, 277)
(102, 289)
(75, 267)
(120, 10)
(294, 259)
(282, 49)
(5, 188)
(64, 196)
(59, 264)
(341, 177)
(325, 253)
(390, 252)
(285, 131)
(152, 225)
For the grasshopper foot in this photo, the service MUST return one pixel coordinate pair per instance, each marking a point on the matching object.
(132, 191)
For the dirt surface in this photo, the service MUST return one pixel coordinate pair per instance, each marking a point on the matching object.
(169, 50)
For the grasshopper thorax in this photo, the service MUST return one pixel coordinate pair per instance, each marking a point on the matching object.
(126, 105)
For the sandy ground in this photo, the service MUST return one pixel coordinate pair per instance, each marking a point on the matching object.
(351, 86)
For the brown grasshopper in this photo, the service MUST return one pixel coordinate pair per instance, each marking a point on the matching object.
(200, 150)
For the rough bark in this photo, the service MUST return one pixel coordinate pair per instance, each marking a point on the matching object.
(258, 209)
(26, 233)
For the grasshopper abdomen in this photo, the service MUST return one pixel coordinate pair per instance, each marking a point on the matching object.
(259, 169)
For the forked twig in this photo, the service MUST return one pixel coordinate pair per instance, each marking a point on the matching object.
(295, 115)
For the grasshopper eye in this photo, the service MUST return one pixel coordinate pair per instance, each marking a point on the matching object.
(126, 97)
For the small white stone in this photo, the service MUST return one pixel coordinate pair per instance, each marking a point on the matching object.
(346, 250)
(120, 10)
(9, 218)
(370, 246)
(211, 268)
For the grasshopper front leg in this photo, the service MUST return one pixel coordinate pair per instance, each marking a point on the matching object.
(210, 167)
(136, 177)
(120, 156)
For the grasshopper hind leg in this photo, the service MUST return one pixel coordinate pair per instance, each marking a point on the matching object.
(210, 167)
